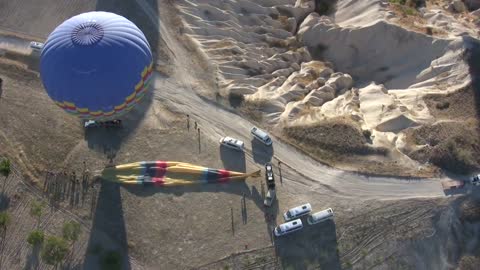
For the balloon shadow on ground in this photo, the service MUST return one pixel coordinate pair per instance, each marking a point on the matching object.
(261, 153)
(233, 160)
(314, 246)
(108, 231)
(110, 139)
(108, 219)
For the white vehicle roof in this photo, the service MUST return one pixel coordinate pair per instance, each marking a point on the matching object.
(260, 133)
(324, 214)
(300, 210)
(232, 141)
(290, 225)
(35, 44)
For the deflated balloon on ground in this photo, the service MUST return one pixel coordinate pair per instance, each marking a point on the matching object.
(170, 173)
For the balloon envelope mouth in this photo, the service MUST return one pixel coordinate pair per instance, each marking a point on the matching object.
(87, 33)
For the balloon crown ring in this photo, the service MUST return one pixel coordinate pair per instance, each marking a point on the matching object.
(87, 33)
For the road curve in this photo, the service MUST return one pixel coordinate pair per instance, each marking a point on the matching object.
(218, 121)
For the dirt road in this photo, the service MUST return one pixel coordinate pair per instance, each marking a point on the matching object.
(217, 122)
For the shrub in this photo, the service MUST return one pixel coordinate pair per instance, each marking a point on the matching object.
(5, 168)
(35, 237)
(4, 220)
(71, 231)
(36, 209)
(54, 250)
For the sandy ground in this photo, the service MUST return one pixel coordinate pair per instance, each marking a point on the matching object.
(182, 228)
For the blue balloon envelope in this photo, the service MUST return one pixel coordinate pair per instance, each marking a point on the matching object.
(96, 65)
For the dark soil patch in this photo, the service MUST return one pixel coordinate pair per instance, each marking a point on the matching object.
(458, 105)
(453, 146)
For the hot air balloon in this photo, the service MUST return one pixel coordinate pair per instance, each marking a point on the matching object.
(96, 65)
(169, 173)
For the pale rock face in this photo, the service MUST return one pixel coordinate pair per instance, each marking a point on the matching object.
(340, 82)
(321, 95)
(267, 51)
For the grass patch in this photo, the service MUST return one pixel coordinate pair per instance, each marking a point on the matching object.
(337, 136)
(460, 105)
(453, 146)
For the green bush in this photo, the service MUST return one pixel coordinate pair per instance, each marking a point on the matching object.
(5, 167)
(71, 231)
(4, 220)
(54, 250)
(35, 237)
(36, 209)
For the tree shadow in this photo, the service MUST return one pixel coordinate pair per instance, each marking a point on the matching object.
(315, 246)
(4, 201)
(33, 261)
(233, 160)
(261, 153)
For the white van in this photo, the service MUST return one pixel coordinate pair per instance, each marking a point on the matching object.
(289, 227)
(297, 212)
(320, 216)
(261, 136)
(232, 143)
(36, 46)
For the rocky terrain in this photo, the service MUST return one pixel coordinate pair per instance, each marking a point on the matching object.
(302, 64)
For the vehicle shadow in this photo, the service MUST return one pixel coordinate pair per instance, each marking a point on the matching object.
(233, 160)
(315, 246)
(271, 213)
(467, 189)
(261, 152)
